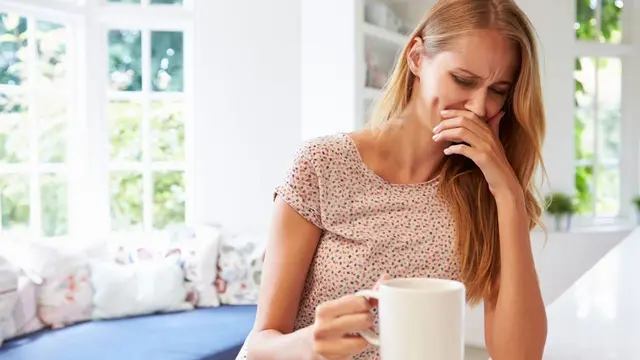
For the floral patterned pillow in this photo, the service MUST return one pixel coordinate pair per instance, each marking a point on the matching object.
(61, 272)
(66, 299)
(239, 270)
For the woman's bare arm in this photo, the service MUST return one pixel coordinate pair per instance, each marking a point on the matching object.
(291, 245)
(515, 316)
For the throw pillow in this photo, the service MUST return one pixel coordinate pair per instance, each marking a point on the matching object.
(61, 272)
(195, 249)
(240, 269)
(136, 289)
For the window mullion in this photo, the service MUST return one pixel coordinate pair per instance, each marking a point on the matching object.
(147, 188)
(598, 16)
(34, 171)
(189, 142)
(596, 137)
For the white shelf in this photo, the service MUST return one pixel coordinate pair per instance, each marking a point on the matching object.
(385, 35)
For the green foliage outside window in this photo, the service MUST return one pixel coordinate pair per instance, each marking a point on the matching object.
(610, 32)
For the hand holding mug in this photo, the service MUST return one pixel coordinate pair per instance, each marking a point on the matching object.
(337, 324)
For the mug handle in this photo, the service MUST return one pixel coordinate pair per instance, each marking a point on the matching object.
(369, 335)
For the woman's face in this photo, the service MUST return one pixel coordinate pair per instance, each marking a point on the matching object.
(476, 74)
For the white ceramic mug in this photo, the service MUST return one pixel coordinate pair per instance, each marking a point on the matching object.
(419, 319)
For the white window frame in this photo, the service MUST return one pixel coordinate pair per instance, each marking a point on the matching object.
(625, 51)
(88, 145)
(154, 18)
(67, 17)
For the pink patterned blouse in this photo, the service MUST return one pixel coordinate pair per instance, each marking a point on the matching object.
(370, 226)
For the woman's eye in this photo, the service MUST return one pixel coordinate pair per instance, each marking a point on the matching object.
(462, 81)
(499, 92)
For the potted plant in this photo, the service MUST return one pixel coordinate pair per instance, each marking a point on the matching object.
(560, 206)
(636, 203)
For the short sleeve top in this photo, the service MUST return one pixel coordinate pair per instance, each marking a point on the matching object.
(369, 226)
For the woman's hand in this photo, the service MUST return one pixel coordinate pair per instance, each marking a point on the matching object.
(482, 145)
(336, 323)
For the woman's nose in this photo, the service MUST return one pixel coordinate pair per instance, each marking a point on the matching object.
(477, 103)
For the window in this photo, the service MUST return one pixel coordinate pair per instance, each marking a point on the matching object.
(94, 116)
(35, 108)
(146, 129)
(598, 101)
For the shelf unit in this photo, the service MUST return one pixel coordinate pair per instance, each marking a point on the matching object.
(337, 42)
(385, 45)
(376, 44)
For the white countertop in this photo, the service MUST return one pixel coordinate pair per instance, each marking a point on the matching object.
(598, 317)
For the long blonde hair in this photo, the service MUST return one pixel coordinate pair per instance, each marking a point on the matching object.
(521, 131)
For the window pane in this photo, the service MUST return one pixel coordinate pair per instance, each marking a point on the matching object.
(168, 199)
(585, 114)
(51, 94)
(611, 21)
(167, 131)
(167, 61)
(126, 201)
(13, 49)
(584, 187)
(609, 107)
(53, 193)
(608, 196)
(168, 2)
(125, 61)
(125, 132)
(14, 129)
(14, 202)
(585, 25)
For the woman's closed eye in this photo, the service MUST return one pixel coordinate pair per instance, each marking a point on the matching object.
(471, 83)
(464, 82)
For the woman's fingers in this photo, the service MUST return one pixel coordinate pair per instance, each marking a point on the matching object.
(347, 324)
(459, 135)
(348, 304)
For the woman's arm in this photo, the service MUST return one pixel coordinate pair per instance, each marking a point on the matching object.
(515, 316)
(292, 243)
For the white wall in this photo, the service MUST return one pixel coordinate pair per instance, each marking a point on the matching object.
(553, 21)
(330, 62)
(247, 106)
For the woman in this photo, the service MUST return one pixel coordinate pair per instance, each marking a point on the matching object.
(440, 185)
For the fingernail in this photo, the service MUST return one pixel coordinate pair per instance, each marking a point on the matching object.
(436, 136)
(447, 151)
(436, 129)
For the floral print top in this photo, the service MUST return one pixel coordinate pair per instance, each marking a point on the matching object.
(370, 226)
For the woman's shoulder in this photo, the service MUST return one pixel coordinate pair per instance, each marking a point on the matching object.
(326, 150)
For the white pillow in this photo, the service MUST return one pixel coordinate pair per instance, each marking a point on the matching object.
(135, 289)
(198, 256)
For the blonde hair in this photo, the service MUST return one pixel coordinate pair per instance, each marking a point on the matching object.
(521, 131)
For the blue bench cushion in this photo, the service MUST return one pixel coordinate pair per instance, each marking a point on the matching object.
(206, 333)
